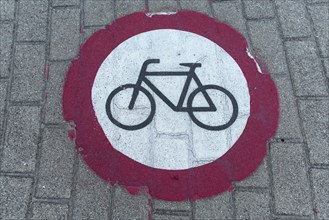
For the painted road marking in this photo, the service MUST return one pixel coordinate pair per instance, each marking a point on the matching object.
(179, 108)
(171, 47)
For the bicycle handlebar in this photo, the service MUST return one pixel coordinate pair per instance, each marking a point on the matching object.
(146, 62)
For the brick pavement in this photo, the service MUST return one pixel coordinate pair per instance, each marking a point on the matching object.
(40, 175)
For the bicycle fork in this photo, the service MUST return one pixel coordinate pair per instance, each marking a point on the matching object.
(136, 90)
(134, 97)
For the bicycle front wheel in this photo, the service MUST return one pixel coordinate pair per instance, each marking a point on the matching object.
(133, 121)
(229, 103)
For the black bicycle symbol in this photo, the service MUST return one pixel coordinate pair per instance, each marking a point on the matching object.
(179, 107)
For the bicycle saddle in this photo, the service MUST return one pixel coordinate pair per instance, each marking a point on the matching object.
(191, 64)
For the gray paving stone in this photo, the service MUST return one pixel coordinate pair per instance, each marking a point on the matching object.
(320, 183)
(65, 2)
(320, 17)
(92, 198)
(126, 7)
(6, 39)
(256, 9)
(231, 14)
(42, 210)
(305, 69)
(65, 33)
(162, 5)
(88, 32)
(160, 204)
(56, 164)
(54, 90)
(258, 179)
(128, 206)
(217, 207)
(21, 139)
(268, 45)
(251, 205)
(195, 5)
(32, 20)
(293, 18)
(291, 185)
(289, 126)
(326, 66)
(169, 217)
(3, 91)
(28, 80)
(14, 196)
(315, 120)
(7, 9)
(100, 12)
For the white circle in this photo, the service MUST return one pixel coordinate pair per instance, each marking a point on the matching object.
(171, 141)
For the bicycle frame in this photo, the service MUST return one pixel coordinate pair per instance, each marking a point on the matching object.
(190, 75)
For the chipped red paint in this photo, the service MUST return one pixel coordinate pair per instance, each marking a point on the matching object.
(72, 135)
(136, 190)
(190, 184)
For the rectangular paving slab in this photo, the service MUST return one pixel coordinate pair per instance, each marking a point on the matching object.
(291, 185)
(306, 69)
(15, 193)
(6, 40)
(29, 73)
(315, 120)
(21, 139)
(56, 164)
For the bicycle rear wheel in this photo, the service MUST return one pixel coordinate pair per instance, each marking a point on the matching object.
(136, 126)
(204, 125)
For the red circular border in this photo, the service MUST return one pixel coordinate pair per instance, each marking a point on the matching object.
(190, 184)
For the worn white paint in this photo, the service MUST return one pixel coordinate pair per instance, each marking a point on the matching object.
(172, 140)
(251, 56)
(150, 14)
